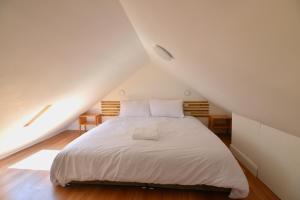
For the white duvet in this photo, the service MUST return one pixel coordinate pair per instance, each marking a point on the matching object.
(186, 153)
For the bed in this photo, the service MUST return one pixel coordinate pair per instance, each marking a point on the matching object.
(186, 154)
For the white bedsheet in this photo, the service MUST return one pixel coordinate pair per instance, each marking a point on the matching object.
(187, 153)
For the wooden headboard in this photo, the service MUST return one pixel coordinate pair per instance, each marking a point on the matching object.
(190, 108)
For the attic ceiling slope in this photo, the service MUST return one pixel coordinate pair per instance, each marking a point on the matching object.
(65, 53)
(241, 55)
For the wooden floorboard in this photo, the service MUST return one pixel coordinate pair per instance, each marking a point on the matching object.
(21, 184)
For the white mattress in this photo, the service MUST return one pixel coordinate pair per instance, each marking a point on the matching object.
(186, 153)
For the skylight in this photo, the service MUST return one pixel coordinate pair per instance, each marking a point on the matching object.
(35, 117)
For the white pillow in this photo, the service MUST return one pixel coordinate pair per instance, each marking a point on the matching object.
(134, 109)
(166, 108)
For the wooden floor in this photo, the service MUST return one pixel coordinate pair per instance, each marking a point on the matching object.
(23, 184)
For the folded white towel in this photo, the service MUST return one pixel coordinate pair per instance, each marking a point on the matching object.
(145, 133)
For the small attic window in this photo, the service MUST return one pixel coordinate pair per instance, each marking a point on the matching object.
(163, 53)
(35, 117)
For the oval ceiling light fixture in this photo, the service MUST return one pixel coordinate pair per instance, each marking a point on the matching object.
(163, 53)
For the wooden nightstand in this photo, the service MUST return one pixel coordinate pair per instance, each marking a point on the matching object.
(220, 124)
(83, 120)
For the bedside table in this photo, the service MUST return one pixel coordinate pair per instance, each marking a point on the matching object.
(83, 120)
(220, 124)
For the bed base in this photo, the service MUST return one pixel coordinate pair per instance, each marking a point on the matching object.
(152, 185)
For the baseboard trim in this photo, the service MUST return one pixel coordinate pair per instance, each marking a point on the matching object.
(245, 160)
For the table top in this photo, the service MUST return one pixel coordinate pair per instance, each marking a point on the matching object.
(90, 114)
(220, 116)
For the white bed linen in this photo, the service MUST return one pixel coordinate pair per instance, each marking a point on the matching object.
(187, 153)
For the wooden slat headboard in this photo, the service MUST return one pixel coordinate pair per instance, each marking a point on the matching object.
(196, 108)
(190, 108)
(110, 108)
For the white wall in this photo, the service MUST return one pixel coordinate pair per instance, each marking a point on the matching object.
(60, 52)
(273, 155)
(152, 82)
(240, 54)
(148, 82)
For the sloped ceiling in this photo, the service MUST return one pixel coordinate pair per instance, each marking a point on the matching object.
(242, 55)
(61, 52)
